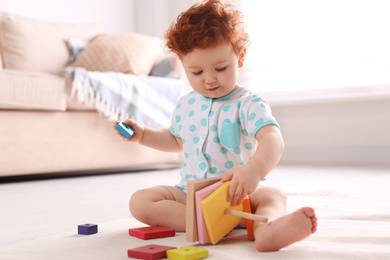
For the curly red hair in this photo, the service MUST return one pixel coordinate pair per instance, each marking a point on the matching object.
(207, 24)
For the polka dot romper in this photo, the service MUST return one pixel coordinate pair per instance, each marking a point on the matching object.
(218, 134)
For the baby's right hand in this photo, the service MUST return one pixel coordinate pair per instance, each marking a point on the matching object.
(138, 130)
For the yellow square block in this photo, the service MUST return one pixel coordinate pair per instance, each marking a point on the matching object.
(187, 253)
(213, 207)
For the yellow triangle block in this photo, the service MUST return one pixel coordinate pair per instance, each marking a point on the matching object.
(217, 222)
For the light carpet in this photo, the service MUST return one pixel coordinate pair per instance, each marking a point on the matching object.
(39, 219)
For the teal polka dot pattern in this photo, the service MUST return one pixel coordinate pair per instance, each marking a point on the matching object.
(203, 166)
(226, 108)
(213, 170)
(259, 122)
(237, 150)
(172, 130)
(229, 164)
(252, 116)
(248, 146)
(204, 107)
(255, 98)
(223, 150)
(206, 125)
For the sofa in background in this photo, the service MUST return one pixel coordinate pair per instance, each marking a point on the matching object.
(43, 130)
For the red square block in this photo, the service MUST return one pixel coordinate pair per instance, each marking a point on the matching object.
(151, 232)
(149, 252)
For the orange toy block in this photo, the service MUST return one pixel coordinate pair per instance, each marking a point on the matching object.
(249, 223)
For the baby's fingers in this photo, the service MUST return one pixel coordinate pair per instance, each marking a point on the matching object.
(235, 195)
(238, 197)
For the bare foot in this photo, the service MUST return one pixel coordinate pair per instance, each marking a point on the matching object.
(285, 230)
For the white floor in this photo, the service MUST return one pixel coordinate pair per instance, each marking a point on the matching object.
(39, 219)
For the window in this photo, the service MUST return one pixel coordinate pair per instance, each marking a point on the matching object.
(306, 44)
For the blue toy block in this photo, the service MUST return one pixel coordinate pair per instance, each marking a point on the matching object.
(87, 229)
(125, 130)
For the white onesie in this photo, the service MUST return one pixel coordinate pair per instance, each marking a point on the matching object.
(218, 134)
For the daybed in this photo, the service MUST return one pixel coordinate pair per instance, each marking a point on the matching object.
(43, 128)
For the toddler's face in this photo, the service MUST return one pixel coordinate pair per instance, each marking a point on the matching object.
(213, 72)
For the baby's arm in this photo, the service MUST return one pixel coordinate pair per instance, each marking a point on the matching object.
(159, 139)
(245, 178)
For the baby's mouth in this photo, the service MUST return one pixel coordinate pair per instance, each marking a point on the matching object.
(213, 89)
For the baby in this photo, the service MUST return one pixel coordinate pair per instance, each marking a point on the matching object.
(223, 129)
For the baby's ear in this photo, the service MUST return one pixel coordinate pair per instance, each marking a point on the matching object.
(241, 58)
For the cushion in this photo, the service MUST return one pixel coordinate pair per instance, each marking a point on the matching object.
(126, 53)
(168, 66)
(32, 90)
(76, 45)
(29, 44)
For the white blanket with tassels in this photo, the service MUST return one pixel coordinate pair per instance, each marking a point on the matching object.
(146, 99)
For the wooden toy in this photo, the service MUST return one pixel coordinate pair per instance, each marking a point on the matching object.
(187, 253)
(87, 229)
(192, 187)
(203, 237)
(220, 217)
(151, 232)
(125, 130)
(249, 223)
(217, 222)
(149, 252)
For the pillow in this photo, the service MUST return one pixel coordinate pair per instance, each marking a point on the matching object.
(168, 66)
(29, 44)
(76, 45)
(126, 53)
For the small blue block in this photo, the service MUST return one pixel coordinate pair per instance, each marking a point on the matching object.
(88, 229)
(125, 130)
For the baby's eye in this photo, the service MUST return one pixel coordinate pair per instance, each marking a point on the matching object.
(197, 73)
(221, 69)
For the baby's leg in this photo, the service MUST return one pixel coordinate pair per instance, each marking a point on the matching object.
(281, 230)
(161, 205)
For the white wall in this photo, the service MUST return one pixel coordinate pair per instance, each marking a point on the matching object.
(151, 17)
(336, 132)
(116, 15)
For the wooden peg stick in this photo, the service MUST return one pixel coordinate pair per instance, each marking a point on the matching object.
(245, 215)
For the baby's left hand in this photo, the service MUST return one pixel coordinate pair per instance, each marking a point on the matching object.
(244, 181)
